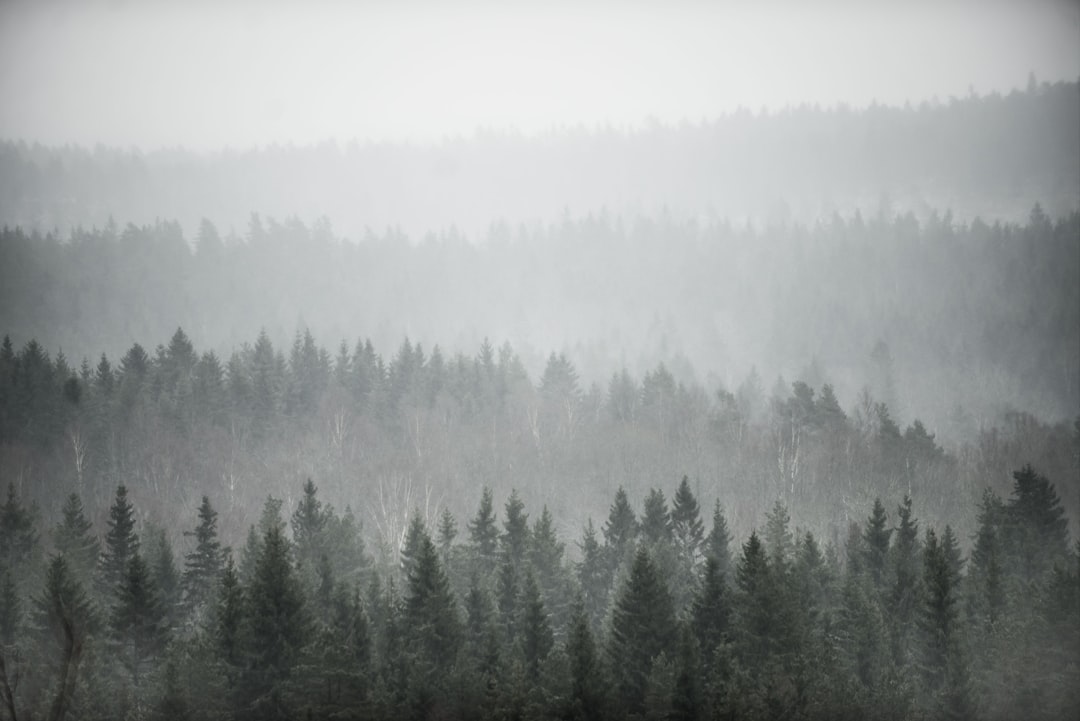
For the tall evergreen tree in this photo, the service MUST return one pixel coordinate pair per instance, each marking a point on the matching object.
(277, 621)
(876, 538)
(73, 540)
(139, 626)
(589, 684)
(717, 545)
(515, 537)
(620, 531)
(64, 618)
(483, 533)
(642, 627)
(537, 639)
(121, 542)
(656, 520)
(686, 525)
(203, 566)
(1037, 530)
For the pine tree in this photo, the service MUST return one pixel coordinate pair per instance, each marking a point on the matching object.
(203, 566)
(642, 627)
(73, 540)
(943, 667)
(121, 542)
(904, 598)
(987, 582)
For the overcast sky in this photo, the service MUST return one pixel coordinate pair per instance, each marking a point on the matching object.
(207, 75)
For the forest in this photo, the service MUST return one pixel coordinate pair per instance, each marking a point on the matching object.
(774, 580)
(771, 414)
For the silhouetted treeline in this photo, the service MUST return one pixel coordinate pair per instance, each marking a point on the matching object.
(662, 613)
(422, 429)
(991, 156)
(962, 322)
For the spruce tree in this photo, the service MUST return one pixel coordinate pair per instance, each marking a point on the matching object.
(686, 525)
(593, 576)
(656, 520)
(718, 543)
(278, 625)
(203, 566)
(121, 542)
(64, 618)
(139, 625)
(711, 611)
(514, 540)
(309, 523)
(537, 639)
(642, 627)
(620, 532)
(1037, 530)
(589, 684)
(876, 544)
(483, 534)
(73, 540)
(431, 626)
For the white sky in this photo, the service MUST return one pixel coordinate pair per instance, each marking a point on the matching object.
(206, 75)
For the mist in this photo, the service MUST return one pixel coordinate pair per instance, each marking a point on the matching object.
(551, 361)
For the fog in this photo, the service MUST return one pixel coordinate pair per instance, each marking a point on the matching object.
(207, 75)
(520, 360)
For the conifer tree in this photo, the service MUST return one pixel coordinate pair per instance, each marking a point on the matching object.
(537, 639)
(589, 683)
(166, 578)
(229, 617)
(514, 540)
(483, 534)
(593, 576)
(73, 540)
(64, 618)
(1037, 530)
(447, 533)
(718, 543)
(203, 566)
(620, 532)
(121, 542)
(642, 627)
(711, 611)
(138, 620)
(309, 523)
(656, 520)
(779, 541)
(277, 621)
(431, 626)
(876, 544)
(18, 535)
(686, 525)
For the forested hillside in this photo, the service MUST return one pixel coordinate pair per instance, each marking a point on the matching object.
(663, 613)
(991, 156)
(954, 323)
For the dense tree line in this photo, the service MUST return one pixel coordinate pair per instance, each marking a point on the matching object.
(420, 429)
(959, 321)
(983, 155)
(662, 614)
